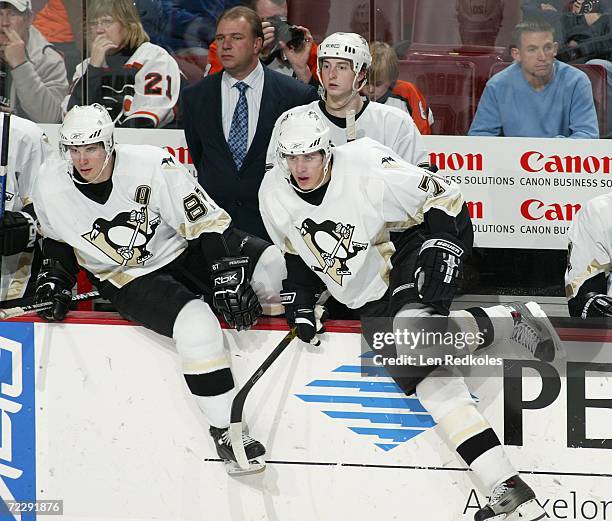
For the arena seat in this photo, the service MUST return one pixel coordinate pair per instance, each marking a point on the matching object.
(597, 77)
(448, 87)
(483, 58)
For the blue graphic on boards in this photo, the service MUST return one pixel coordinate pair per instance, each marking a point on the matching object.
(372, 405)
(17, 417)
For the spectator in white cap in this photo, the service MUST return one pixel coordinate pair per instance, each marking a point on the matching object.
(32, 72)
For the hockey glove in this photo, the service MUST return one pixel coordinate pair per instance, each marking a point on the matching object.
(233, 296)
(597, 305)
(54, 284)
(17, 232)
(439, 268)
(302, 312)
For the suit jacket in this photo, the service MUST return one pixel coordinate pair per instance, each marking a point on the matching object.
(233, 190)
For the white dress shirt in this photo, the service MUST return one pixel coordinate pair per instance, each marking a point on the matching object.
(230, 95)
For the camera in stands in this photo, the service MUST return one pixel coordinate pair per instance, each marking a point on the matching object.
(291, 35)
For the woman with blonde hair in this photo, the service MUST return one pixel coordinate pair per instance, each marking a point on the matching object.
(138, 82)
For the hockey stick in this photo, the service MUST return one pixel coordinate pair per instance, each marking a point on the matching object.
(337, 247)
(235, 428)
(130, 247)
(41, 306)
(6, 129)
(351, 127)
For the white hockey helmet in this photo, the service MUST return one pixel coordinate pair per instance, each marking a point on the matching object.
(302, 132)
(346, 46)
(85, 125)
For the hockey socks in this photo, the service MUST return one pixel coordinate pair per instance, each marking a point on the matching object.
(492, 324)
(199, 341)
(217, 408)
(449, 402)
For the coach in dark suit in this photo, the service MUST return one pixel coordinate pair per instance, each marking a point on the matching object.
(229, 118)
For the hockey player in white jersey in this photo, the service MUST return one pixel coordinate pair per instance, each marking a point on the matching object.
(27, 149)
(151, 239)
(343, 60)
(588, 286)
(330, 211)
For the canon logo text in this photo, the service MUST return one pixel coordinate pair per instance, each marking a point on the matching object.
(455, 161)
(534, 161)
(475, 208)
(534, 210)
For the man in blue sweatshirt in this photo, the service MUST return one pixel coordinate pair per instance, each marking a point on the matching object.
(537, 96)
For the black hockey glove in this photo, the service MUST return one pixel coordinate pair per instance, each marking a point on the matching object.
(439, 268)
(302, 312)
(17, 232)
(54, 284)
(596, 305)
(234, 297)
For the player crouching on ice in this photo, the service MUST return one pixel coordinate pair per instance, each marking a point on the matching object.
(151, 241)
(330, 210)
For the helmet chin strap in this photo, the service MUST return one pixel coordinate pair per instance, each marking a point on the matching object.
(106, 160)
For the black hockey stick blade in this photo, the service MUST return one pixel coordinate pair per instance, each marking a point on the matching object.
(6, 129)
(235, 428)
(22, 310)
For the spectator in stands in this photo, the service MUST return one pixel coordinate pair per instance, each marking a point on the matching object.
(537, 96)
(32, 73)
(299, 61)
(240, 107)
(549, 11)
(384, 86)
(587, 32)
(138, 82)
(59, 21)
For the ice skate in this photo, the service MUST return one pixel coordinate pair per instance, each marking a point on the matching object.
(533, 331)
(513, 500)
(253, 449)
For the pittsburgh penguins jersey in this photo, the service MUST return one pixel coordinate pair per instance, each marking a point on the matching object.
(138, 88)
(590, 247)
(390, 126)
(345, 240)
(154, 207)
(28, 149)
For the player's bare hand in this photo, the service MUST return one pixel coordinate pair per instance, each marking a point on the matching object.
(100, 47)
(298, 58)
(269, 37)
(14, 49)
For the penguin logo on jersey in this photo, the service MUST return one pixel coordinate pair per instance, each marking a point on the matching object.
(125, 237)
(8, 196)
(332, 245)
